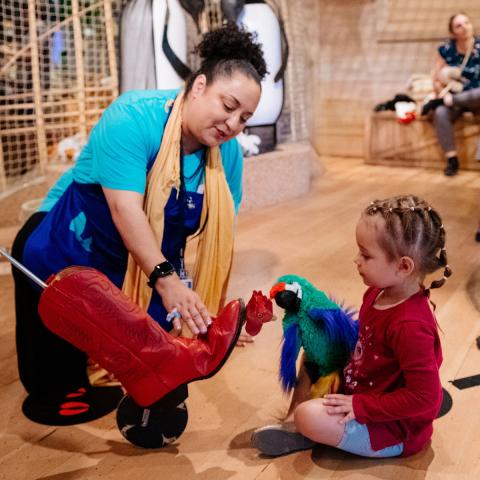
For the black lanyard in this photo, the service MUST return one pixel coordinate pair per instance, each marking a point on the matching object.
(183, 198)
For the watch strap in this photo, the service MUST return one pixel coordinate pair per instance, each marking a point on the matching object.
(161, 270)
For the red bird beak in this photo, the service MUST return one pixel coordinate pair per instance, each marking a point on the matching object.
(279, 287)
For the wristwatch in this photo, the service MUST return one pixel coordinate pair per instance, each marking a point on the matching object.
(161, 270)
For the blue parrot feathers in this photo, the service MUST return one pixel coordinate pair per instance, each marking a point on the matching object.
(290, 349)
(339, 324)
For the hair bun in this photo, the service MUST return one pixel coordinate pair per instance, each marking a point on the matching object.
(231, 42)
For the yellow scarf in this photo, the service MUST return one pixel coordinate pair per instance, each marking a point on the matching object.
(215, 245)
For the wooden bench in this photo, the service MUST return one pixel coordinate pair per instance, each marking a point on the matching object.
(388, 142)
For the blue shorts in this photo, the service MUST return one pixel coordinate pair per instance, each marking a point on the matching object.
(356, 440)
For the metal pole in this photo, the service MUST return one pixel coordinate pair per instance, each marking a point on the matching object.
(24, 270)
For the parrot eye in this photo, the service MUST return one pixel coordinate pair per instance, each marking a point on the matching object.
(295, 288)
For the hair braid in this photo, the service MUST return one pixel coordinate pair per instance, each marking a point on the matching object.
(413, 228)
(442, 257)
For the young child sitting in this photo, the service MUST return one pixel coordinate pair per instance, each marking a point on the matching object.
(392, 390)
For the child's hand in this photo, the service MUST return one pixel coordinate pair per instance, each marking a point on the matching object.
(243, 339)
(337, 403)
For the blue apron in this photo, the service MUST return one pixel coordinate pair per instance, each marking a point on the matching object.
(79, 230)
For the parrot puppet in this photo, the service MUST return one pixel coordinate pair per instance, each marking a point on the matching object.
(326, 332)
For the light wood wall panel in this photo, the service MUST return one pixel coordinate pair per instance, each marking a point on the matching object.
(362, 56)
(406, 20)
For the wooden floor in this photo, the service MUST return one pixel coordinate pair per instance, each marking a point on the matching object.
(313, 237)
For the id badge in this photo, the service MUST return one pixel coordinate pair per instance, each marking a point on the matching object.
(183, 273)
(185, 278)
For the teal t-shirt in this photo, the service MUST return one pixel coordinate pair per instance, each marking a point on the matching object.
(125, 141)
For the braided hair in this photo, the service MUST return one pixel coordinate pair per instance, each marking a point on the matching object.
(227, 50)
(413, 228)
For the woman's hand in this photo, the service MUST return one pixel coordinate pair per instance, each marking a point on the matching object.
(175, 295)
(337, 403)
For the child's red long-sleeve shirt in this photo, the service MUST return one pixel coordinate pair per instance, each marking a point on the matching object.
(393, 374)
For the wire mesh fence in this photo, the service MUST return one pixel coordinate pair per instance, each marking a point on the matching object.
(57, 73)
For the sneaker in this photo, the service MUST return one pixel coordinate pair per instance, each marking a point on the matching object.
(452, 167)
(276, 440)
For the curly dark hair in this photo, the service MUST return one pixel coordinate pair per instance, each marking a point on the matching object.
(227, 50)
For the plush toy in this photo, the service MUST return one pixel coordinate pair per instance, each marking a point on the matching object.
(326, 332)
(406, 112)
(451, 77)
(250, 144)
(404, 107)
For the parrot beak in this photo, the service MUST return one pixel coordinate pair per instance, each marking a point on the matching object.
(285, 297)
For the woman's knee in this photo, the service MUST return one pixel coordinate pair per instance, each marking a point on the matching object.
(442, 115)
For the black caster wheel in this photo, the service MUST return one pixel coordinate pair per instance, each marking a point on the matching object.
(152, 427)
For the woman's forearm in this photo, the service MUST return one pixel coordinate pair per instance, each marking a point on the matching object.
(132, 224)
(139, 239)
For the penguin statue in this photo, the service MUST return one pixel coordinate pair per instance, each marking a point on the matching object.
(137, 70)
(170, 44)
(153, 45)
(258, 16)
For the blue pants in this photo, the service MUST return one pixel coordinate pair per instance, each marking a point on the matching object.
(356, 440)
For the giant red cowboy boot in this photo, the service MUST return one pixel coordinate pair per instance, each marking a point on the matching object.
(82, 306)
